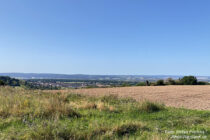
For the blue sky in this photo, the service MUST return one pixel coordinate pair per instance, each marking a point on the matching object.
(147, 37)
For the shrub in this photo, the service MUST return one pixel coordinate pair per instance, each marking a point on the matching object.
(170, 81)
(2, 83)
(9, 81)
(125, 84)
(127, 129)
(151, 107)
(202, 83)
(189, 80)
(141, 84)
(160, 83)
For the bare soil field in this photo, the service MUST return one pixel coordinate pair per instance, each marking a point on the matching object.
(191, 97)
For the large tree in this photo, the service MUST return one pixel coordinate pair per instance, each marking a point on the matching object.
(189, 80)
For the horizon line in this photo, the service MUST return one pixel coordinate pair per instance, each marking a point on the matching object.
(105, 74)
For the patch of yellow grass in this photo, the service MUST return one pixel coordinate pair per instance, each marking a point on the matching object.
(21, 104)
(92, 105)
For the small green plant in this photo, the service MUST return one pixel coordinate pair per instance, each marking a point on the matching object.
(151, 107)
(127, 128)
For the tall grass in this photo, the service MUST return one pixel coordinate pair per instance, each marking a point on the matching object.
(150, 107)
(34, 105)
(35, 114)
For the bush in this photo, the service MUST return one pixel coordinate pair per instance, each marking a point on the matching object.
(202, 83)
(127, 129)
(189, 80)
(141, 84)
(125, 84)
(160, 83)
(170, 81)
(2, 83)
(5, 80)
(151, 107)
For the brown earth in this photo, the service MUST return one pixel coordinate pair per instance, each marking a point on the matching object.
(191, 97)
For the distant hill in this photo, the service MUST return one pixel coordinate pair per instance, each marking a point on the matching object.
(95, 77)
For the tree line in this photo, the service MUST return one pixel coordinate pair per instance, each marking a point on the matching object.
(186, 80)
(6, 80)
(31, 84)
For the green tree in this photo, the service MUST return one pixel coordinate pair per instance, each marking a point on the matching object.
(189, 80)
(2, 83)
(202, 83)
(141, 84)
(170, 81)
(160, 83)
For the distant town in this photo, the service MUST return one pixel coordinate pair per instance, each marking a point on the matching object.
(62, 81)
(98, 77)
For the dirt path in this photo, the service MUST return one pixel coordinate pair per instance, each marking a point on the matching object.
(192, 97)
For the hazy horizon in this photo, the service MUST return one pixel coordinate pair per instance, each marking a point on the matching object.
(103, 74)
(105, 37)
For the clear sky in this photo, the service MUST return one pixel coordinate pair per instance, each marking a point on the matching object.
(105, 36)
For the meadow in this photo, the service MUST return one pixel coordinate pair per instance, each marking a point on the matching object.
(68, 115)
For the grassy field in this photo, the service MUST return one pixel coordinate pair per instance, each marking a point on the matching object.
(45, 115)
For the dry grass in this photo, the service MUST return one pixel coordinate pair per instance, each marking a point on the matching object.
(33, 104)
(191, 97)
(101, 106)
